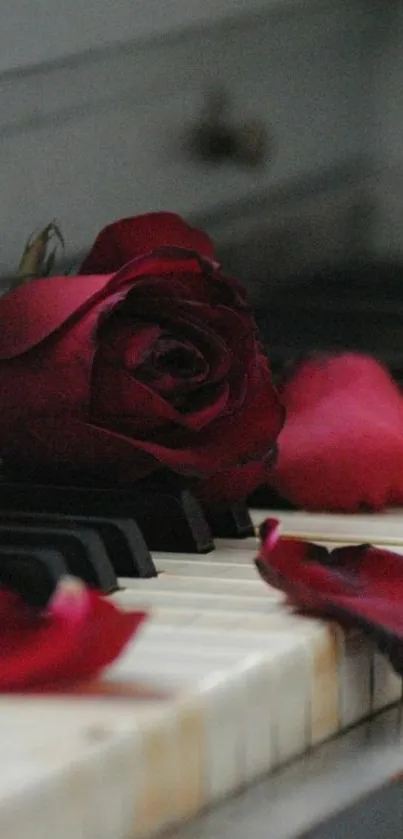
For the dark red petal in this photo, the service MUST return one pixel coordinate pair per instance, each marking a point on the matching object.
(181, 275)
(117, 394)
(80, 635)
(45, 442)
(126, 343)
(126, 337)
(55, 380)
(155, 278)
(130, 238)
(361, 584)
(246, 434)
(210, 408)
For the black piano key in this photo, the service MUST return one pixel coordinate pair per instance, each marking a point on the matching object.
(266, 498)
(122, 538)
(32, 572)
(83, 551)
(168, 515)
(230, 521)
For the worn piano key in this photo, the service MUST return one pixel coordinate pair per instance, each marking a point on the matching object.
(230, 520)
(278, 684)
(342, 664)
(326, 644)
(354, 651)
(168, 515)
(122, 538)
(76, 767)
(211, 607)
(172, 781)
(33, 573)
(239, 682)
(280, 669)
(83, 551)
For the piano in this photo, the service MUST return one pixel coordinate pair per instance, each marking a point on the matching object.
(227, 714)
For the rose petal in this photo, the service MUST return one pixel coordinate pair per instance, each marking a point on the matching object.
(362, 585)
(119, 396)
(342, 444)
(80, 634)
(129, 238)
(44, 443)
(183, 278)
(250, 433)
(32, 312)
(53, 380)
(223, 337)
(126, 344)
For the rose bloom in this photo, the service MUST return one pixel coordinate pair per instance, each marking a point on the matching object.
(147, 360)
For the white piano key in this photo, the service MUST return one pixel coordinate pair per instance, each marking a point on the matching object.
(249, 730)
(254, 587)
(259, 724)
(246, 630)
(246, 684)
(238, 554)
(171, 678)
(232, 547)
(76, 768)
(198, 643)
(342, 663)
(378, 528)
(354, 676)
(275, 685)
(326, 650)
(171, 782)
(219, 702)
(148, 598)
(175, 659)
(216, 570)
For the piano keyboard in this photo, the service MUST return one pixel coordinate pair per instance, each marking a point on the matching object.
(222, 685)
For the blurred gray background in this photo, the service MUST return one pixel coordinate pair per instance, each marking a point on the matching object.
(99, 102)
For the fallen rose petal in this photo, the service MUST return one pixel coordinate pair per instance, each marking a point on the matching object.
(74, 639)
(359, 585)
(341, 448)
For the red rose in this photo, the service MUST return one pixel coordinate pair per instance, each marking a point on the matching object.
(156, 365)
